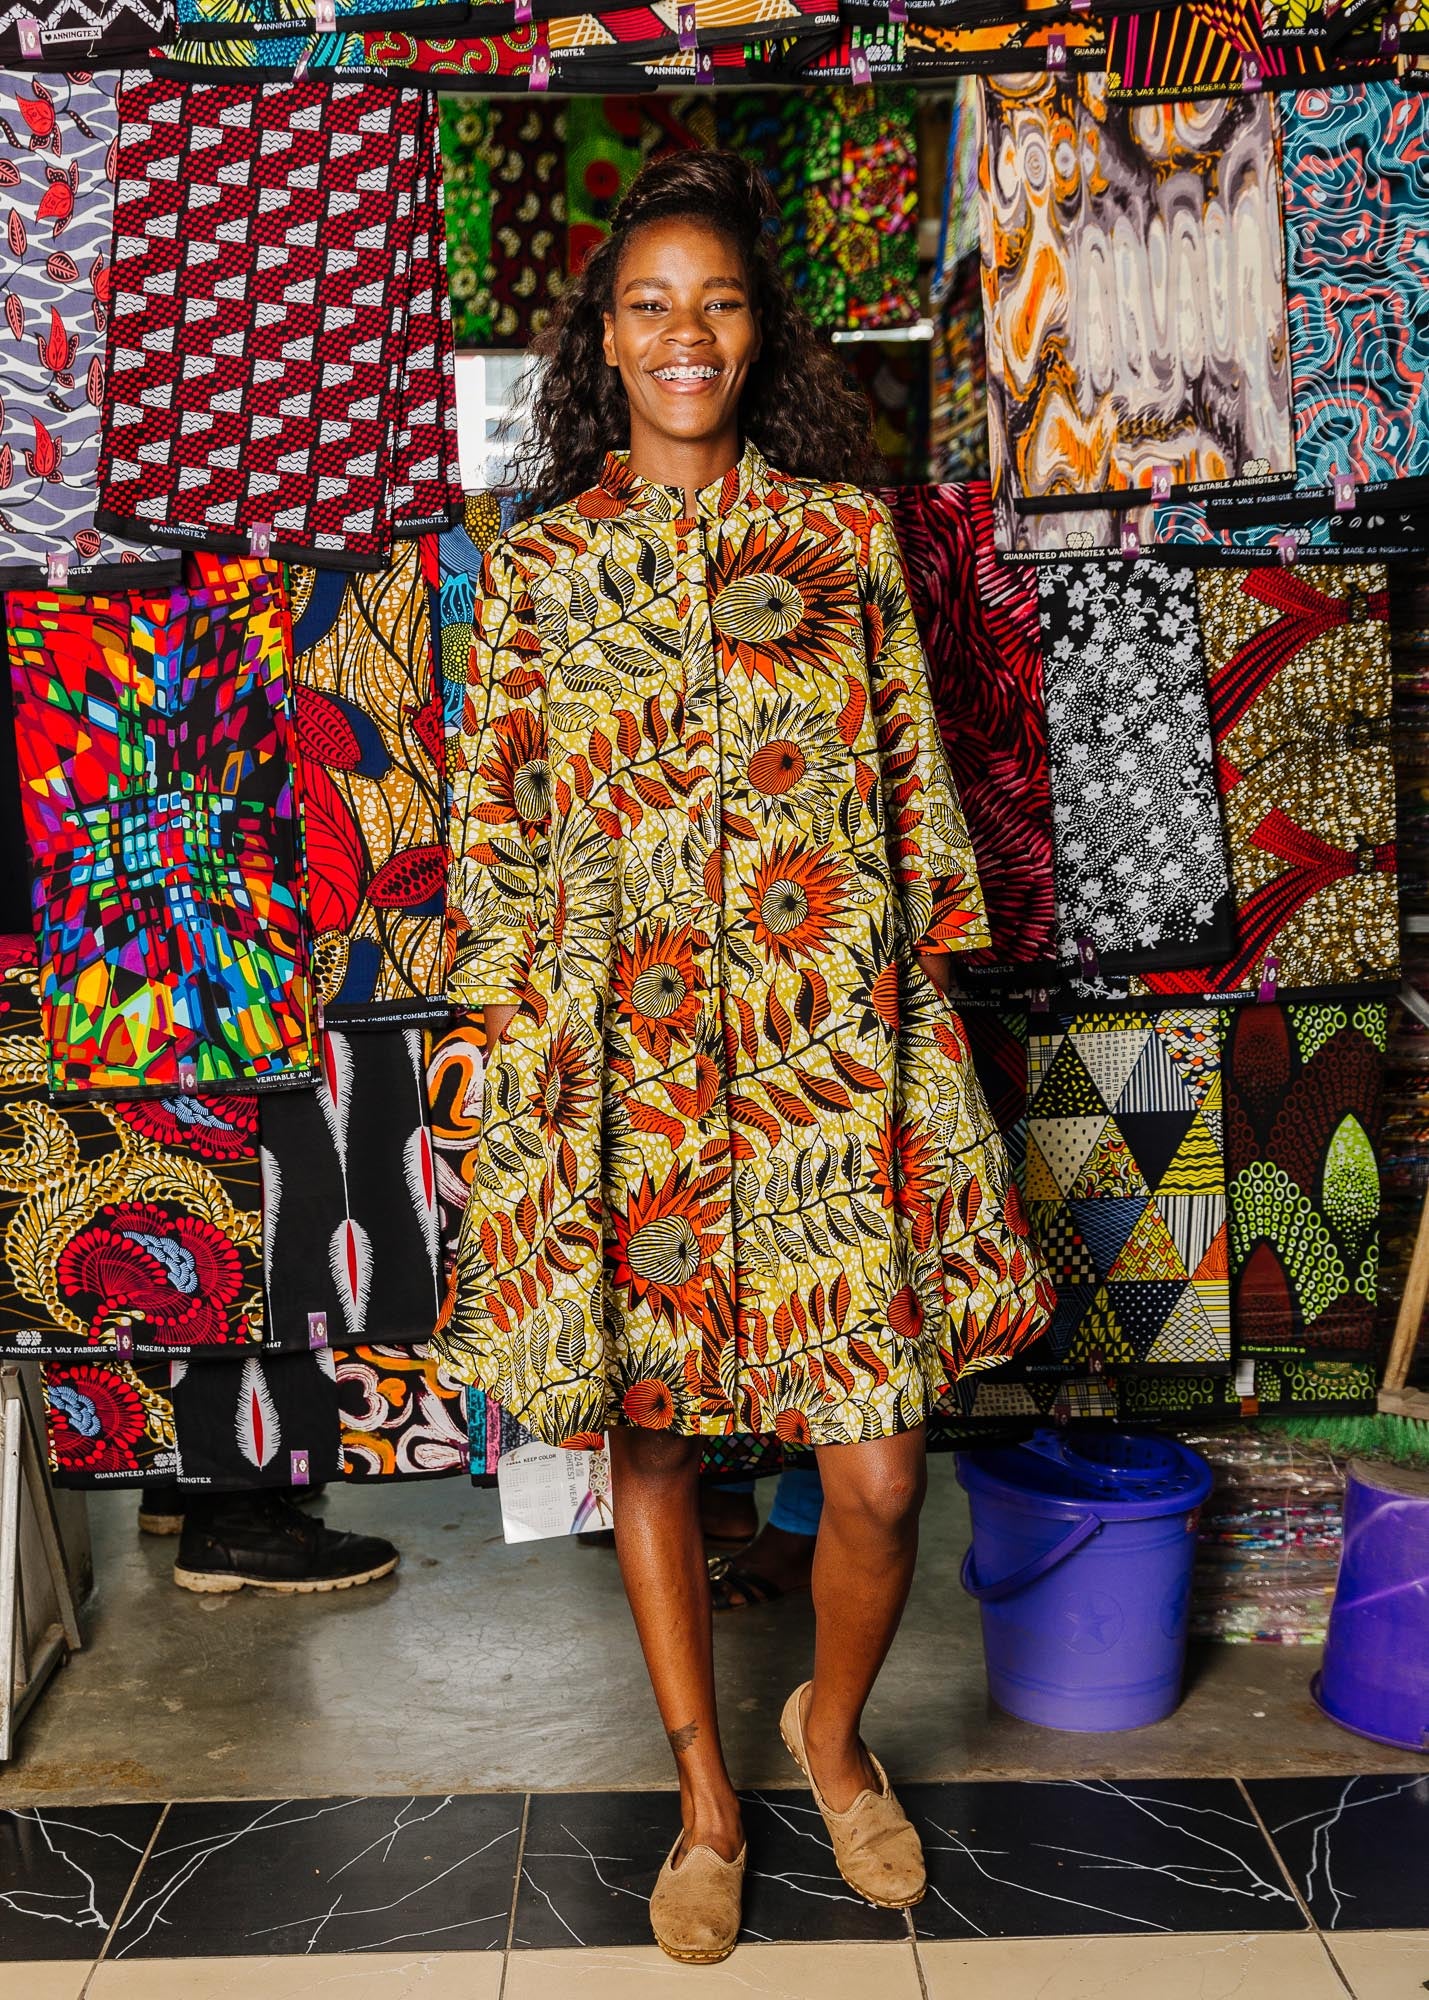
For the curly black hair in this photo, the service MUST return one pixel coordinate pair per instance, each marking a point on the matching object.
(799, 407)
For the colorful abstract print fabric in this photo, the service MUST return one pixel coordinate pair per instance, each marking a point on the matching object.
(1142, 874)
(264, 241)
(57, 175)
(132, 1227)
(979, 625)
(698, 783)
(350, 1220)
(154, 742)
(1126, 1190)
(1356, 174)
(403, 1414)
(79, 33)
(371, 749)
(1304, 1108)
(1095, 385)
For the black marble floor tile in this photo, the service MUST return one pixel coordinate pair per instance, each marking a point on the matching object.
(327, 1875)
(1034, 1859)
(591, 1859)
(63, 1874)
(1357, 1848)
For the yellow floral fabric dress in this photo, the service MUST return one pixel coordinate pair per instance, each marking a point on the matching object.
(735, 1173)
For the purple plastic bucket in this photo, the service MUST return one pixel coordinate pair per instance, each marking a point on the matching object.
(1081, 1561)
(1375, 1676)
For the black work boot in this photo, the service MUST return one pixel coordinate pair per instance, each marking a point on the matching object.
(262, 1540)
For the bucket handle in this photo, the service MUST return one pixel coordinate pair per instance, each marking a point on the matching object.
(987, 1593)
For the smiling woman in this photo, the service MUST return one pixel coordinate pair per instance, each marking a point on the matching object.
(736, 1173)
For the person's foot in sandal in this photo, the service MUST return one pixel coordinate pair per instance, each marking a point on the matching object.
(776, 1564)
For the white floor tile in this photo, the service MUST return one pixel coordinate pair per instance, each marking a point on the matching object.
(362, 1975)
(1384, 1965)
(1131, 1968)
(754, 1972)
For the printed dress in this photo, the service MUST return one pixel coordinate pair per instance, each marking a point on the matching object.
(735, 1171)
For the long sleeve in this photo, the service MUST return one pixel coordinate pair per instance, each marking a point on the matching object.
(928, 842)
(501, 794)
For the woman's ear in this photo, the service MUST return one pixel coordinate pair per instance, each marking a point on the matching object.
(608, 340)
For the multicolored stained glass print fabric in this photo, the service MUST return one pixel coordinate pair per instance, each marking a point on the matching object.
(1080, 201)
(154, 742)
(1298, 670)
(372, 752)
(1304, 1098)
(57, 170)
(662, 815)
(506, 217)
(123, 1226)
(108, 1423)
(1356, 174)
(1142, 874)
(403, 1414)
(1126, 1190)
(876, 244)
(238, 396)
(979, 625)
(350, 1223)
(269, 1420)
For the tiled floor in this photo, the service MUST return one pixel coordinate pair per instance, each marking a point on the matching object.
(1194, 1889)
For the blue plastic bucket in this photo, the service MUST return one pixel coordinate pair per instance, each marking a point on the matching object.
(1081, 1560)
(1375, 1676)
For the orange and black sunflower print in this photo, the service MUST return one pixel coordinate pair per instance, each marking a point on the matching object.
(735, 1172)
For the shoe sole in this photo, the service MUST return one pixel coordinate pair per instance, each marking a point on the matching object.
(696, 1957)
(161, 1524)
(221, 1582)
(877, 1902)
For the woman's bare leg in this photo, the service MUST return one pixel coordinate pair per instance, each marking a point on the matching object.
(662, 1562)
(863, 1566)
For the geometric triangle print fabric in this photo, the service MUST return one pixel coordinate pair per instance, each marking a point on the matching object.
(1134, 1223)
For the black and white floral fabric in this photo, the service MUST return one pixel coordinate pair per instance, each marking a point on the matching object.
(1142, 872)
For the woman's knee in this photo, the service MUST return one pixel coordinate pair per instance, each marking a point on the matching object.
(883, 1497)
(655, 1455)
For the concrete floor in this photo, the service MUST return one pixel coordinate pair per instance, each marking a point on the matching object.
(484, 1668)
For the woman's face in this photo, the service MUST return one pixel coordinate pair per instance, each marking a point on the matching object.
(684, 336)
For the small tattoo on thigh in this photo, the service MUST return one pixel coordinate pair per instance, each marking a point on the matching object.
(683, 1737)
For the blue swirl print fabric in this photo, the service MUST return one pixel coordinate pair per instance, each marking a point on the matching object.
(1356, 204)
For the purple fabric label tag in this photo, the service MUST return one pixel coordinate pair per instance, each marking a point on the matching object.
(1087, 956)
(188, 1076)
(1270, 978)
(32, 40)
(57, 569)
(523, 13)
(1344, 492)
(1287, 545)
(325, 16)
(685, 27)
(1161, 482)
(1389, 36)
(317, 1330)
(260, 538)
(301, 1473)
(1057, 52)
(540, 78)
(860, 68)
(1250, 73)
(1130, 542)
(123, 1343)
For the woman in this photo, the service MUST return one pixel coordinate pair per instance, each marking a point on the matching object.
(736, 1174)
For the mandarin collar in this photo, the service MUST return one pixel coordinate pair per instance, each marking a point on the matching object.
(621, 491)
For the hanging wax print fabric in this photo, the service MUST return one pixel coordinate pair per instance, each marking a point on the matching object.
(1126, 1189)
(269, 400)
(456, 1063)
(979, 625)
(603, 156)
(1191, 50)
(154, 742)
(459, 553)
(933, 49)
(270, 1420)
(371, 749)
(877, 243)
(108, 1422)
(1300, 691)
(1355, 159)
(425, 488)
(349, 1197)
(126, 1226)
(506, 217)
(1142, 875)
(80, 34)
(403, 1414)
(1076, 407)
(56, 163)
(225, 19)
(1304, 1091)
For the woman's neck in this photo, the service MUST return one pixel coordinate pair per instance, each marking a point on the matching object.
(689, 463)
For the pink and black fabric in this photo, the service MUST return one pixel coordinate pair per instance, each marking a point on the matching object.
(979, 624)
(263, 248)
(350, 1220)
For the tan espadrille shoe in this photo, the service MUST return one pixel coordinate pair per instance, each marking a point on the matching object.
(876, 1845)
(695, 1909)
